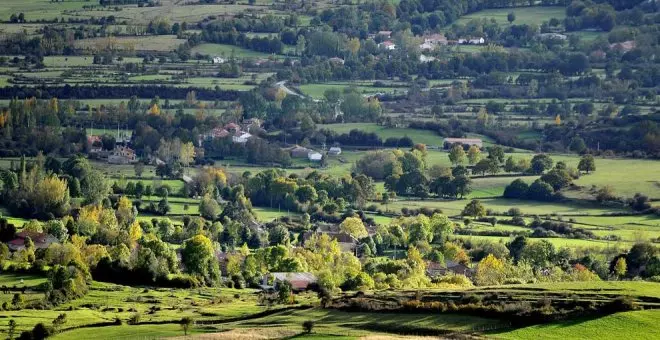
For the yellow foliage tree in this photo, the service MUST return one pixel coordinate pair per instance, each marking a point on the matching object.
(154, 109)
(558, 120)
(354, 227)
(490, 271)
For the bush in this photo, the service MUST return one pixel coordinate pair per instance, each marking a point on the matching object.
(308, 326)
(134, 319)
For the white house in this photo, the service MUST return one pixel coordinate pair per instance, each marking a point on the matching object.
(426, 46)
(241, 138)
(314, 156)
(425, 59)
(219, 60)
(477, 41)
(335, 151)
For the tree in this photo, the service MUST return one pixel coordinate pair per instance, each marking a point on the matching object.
(186, 323)
(209, 207)
(354, 227)
(138, 168)
(457, 154)
(490, 271)
(496, 153)
(94, 186)
(198, 256)
(481, 167)
(517, 189)
(59, 321)
(587, 163)
(540, 191)
(474, 154)
(11, 330)
(474, 209)
(620, 268)
(187, 154)
(307, 326)
(278, 235)
(511, 17)
(540, 163)
(284, 291)
(577, 145)
(538, 254)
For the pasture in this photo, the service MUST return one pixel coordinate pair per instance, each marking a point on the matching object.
(227, 51)
(524, 15)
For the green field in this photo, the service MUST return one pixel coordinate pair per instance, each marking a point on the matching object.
(226, 50)
(524, 15)
(627, 325)
(418, 136)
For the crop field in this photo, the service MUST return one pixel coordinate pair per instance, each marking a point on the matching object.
(418, 136)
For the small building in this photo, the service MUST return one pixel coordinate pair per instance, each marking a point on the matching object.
(232, 127)
(552, 36)
(624, 46)
(388, 45)
(241, 137)
(122, 155)
(425, 59)
(218, 132)
(336, 61)
(436, 39)
(448, 142)
(314, 156)
(300, 152)
(299, 280)
(346, 242)
(95, 144)
(40, 240)
(219, 60)
(385, 34)
(334, 151)
(472, 41)
(435, 269)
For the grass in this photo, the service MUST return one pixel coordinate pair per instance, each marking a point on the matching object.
(128, 332)
(38, 9)
(161, 43)
(226, 50)
(317, 90)
(20, 280)
(418, 136)
(627, 325)
(524, 15)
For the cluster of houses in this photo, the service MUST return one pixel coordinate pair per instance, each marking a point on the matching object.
(238, 133)
(431, 41)
(314, 156)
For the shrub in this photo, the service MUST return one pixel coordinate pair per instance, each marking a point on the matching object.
(308, 326)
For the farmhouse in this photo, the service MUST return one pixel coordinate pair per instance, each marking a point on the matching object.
(122, 155)
(219, 60)
(241, 137)
(95, 144)
(624, 46)
(314, 156)
(334, 151)
(336, 61)
(385, 34)
(345, 241)
(435, 39)
(388, 45)
(300, 152)
(299, 280)
(472, 41)
(434, 269)
(40, 240)
(425, 59)
(448, 142)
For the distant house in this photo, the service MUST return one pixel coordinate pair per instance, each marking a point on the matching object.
(299, 280)
(426, 46)
(472, 41)
(425, 59)
(219, 60)
(241, 137)
(345, 241)
(385, 34)
(122, 155)
(300, 152)
(448, 142)
(218, 133)
(388, 45)
(625, 46)
(434, 269)
(40, 240)
(554, 36)
(435, 39)
(337, 61)
(334, 151)
(314, 156)
(95, 144)
(232, 127)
